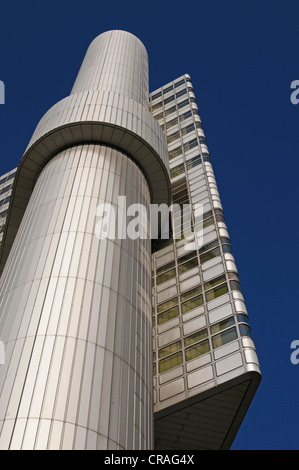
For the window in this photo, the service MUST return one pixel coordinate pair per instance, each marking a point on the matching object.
(225, 337)
(191, 293)
(159, 117)
(166, 90)
(165, 276)
(197, 350)
(3, 214)
(4, 190)
(172, 137)
(4, 201)
(181, 93)
(184, 258)
(194, 162)
(170, 362)
(235, 285)
(175, 152)
(171, 123)
(219, 218)
(208, 246)
(165, 267)
(207, 222)
(156, 106)
(206, 157)
(185, 115)
(214, 282)
(180, 193)
(11, 176)
(226, 246)
(245, 330)
(190, 145)
(209, 255)
(187, 129)
(192, 303)
(168, 100)
(182, 268)
(183, 103)
(216, 292)
(222, 325)
(157, 95)
(177, 84)
(195, 337)
(166, 305)
(168, 315)
(227, 249)
(170, 111)
(177, 170)
(171, 348)
(242, 318)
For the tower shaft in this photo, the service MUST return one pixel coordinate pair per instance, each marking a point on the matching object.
(75, 306)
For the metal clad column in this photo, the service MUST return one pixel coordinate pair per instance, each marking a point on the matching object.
(75, 310)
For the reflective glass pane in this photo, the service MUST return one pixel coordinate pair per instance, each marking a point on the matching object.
(166, 276)
(222, 325)
(195, 337)
(224, 338)
(168, 304)
(170, 362)
(208, 246)
(190, 255)
(242, 318)
(164, 268)
(245, 330)
(217, 292)
(191, 293)
(210, 255)
(168, 315)
(214, 282)
(192, 303)
(189, 265)
(197, 350)
(171, 348)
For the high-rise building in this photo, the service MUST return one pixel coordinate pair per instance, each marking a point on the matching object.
(115, 341)
(206, 369)
(6, 182)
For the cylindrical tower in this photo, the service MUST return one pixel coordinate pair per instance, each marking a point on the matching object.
(75, 309)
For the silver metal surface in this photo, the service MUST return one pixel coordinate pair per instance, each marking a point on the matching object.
(75, 308)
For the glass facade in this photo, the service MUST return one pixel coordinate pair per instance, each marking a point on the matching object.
(6, 183)
(185, 327)
(201, 334)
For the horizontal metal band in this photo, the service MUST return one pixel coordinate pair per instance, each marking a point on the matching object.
(98, 117)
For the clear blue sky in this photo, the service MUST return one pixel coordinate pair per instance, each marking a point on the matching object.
(242, 58)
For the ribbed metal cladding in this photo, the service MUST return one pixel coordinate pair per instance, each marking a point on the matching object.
(115, 62)
(75, 310)
(77, 320)
(108, 105)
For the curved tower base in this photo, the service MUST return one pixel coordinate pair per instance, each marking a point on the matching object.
(77, 320)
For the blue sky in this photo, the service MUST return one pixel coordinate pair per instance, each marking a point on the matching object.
(242, 58)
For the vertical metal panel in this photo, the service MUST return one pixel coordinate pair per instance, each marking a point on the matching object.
(72, 317)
